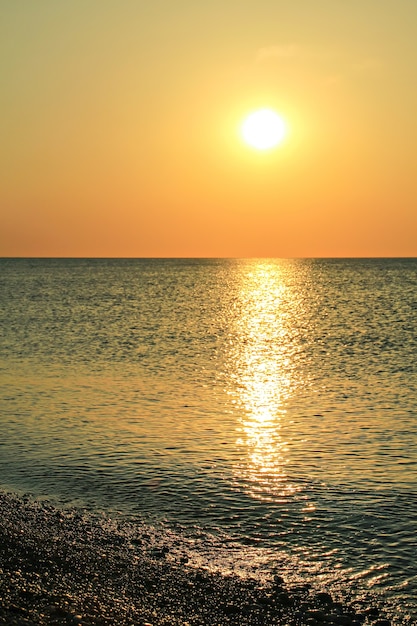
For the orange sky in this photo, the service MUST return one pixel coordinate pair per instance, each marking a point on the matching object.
(120, 128)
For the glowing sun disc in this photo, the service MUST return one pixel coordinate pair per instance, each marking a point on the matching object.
(263, 129)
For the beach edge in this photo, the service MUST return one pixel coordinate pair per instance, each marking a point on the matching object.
(66, 566)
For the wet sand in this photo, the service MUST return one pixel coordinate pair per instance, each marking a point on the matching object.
(66, 567)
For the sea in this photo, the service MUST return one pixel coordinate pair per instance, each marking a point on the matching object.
(264, 411)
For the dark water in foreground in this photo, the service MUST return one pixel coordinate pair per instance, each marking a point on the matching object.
(268, 403)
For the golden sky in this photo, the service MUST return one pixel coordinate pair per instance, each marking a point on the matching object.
(120, 128)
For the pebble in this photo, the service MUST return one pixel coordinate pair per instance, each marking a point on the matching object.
(343, 620)
(53, 572)
(324, 598)
(278, 580)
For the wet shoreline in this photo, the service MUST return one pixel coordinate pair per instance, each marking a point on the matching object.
(61, 566)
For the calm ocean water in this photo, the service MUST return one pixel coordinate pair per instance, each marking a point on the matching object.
(266, 409)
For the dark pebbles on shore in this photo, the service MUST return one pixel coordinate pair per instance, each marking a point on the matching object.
(65, 567)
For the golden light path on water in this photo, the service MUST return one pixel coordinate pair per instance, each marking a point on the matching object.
(264, 375)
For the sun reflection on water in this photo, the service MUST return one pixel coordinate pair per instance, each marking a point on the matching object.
(263, 375)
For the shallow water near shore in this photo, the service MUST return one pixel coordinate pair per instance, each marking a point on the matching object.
(266, 405)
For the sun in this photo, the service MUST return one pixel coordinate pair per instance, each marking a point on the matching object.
(263, 129)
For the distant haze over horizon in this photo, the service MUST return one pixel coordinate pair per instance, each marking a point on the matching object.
(206, 258)
(121, 129)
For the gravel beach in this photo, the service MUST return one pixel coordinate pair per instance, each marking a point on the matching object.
(61, 566)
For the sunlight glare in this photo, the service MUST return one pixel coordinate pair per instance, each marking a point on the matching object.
(263, 129)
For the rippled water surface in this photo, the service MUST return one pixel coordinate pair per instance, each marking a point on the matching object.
(269, 402)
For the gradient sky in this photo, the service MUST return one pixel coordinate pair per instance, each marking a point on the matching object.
(120, 128)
